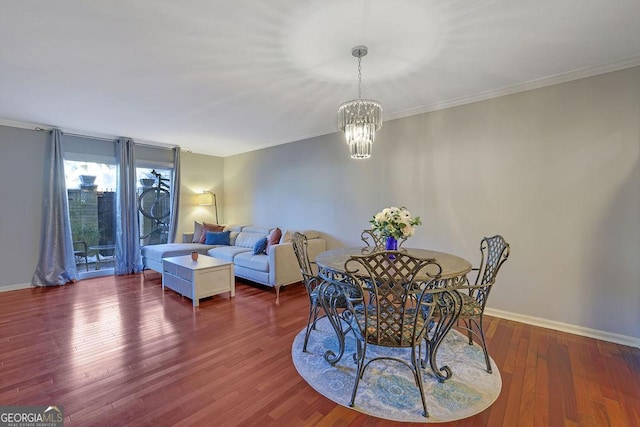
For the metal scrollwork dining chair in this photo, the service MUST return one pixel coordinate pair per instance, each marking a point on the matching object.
(312, 283)
(495, 251)
(394, 309)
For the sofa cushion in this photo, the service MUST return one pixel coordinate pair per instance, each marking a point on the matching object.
(218, 238)
(167, 250)
(257, 229)
(253, 262)
(232, 237)
(260, 247)
(227, 253)
(248, 240)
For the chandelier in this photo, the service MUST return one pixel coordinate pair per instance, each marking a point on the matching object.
(359, 119)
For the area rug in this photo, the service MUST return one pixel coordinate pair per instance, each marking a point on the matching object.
(388, 390)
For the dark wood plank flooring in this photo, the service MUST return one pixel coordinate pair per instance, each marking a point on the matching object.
(119, 351)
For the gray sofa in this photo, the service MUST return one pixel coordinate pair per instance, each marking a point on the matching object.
(279, 267)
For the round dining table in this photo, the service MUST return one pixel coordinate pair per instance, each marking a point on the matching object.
(331, 268)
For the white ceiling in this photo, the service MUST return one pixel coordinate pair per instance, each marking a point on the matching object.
(226, 77)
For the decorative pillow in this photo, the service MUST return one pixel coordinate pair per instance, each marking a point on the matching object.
(273, 238)
(209, 227)
(197, 232)
(260, 246)
(217, 238)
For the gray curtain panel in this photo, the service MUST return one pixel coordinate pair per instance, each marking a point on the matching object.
(128, 259)
(175, 196)
(56, 265)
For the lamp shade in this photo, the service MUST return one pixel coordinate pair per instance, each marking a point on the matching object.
(205, 199)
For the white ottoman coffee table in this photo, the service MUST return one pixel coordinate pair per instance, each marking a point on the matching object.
(198, 279)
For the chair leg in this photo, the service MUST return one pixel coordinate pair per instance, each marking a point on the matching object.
(484, 346)
(469, 327)
(315, 317)
(313, 313)
(423, 362)
(416, 362)
(361, 350)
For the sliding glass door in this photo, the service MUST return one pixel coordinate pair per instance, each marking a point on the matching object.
(91, 173)
(91, 194)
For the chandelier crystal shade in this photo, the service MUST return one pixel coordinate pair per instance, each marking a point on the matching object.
(359, 119)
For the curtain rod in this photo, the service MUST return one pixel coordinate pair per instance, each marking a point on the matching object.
(101, 138)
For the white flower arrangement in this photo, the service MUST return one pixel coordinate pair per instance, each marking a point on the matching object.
(395, 222)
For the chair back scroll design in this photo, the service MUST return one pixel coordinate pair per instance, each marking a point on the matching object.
(395, 308)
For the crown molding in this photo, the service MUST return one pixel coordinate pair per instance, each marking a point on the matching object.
(521, 87)
(75, 132)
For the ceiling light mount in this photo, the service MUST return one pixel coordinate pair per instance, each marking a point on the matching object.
(359, 119)
(359, 51)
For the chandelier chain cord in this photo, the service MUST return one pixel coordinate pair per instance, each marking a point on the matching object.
(359, 78)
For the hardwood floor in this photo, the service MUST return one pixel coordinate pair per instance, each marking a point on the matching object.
(119, 351)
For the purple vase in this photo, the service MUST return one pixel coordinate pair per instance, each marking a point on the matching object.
(392, 244)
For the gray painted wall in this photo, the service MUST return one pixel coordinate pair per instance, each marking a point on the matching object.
(555, 170)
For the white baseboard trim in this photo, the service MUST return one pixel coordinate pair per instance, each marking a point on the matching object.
(565, 327)
(15, 287)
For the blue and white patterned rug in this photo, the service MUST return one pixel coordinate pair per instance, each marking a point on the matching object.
(388, 389)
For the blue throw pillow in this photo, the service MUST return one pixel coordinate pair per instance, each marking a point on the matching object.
(260, 247)
(218, 238)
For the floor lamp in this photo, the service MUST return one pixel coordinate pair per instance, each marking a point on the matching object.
(207, 198)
